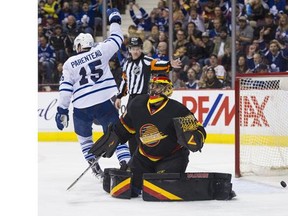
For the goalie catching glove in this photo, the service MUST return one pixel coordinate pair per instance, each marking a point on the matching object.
(190, 133)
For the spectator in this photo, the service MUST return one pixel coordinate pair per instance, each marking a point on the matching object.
(76, 10)
(196, 52)
(218, 14)
(57, 41)
(163, 37)
(192, 32)
(198, 70)
(258, 10)
(148, 49)
(87, 19)
(262, 68)
(51, 8)
(276, 6)
(222, 43)
(181, 53)
(215, 31)
(64, 12)
(276, 55)
(177, 83)
(142, 19)
(196, 18)
(177, 15)
(132, 29)
(210, 80)
(161, 52)
(41, 12)
(269, 28)
(181, 39)
(46, 58)
(282, 29)
(255, 62)
(219, 69)
(71, 30)
(241, 65)
(192, 82)
(49, 26)
(177, 26)
(244, 32)
(154, 35)
(163, 20)
(208, 46)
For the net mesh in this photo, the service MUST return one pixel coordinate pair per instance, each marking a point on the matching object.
(263, 119)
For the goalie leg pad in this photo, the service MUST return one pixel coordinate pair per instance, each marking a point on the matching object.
(187, 186)
(120, 183)
(107, 179)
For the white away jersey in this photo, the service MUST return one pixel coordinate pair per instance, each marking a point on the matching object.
(87, 78)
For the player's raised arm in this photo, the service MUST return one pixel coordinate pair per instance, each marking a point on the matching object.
(113, 43)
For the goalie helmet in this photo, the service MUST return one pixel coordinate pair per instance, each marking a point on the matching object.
(160, 88)
(85, 40)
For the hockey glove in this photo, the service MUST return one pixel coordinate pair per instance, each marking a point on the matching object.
(114, 16)
(192, 138)
(106, 145)
(62, 118)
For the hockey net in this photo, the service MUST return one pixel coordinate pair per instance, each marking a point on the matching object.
(261, 129)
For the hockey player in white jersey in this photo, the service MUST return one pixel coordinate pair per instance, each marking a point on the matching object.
(89, 83)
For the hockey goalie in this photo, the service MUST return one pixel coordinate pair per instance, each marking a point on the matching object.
(166, 132)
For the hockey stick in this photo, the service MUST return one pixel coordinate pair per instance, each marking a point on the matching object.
(83, 173)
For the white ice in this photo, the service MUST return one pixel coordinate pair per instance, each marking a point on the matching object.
(59, 164)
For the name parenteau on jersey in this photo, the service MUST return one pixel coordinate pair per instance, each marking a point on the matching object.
(86, 58)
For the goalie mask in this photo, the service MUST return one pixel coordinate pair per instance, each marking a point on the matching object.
(84, 41)
(160, 88)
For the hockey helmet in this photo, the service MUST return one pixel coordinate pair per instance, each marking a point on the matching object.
(160, 88)
(85, 40)
(135, 41)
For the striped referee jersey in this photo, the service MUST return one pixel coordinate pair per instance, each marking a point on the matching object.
(137, 73)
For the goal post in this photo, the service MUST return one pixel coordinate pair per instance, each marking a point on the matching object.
(261, 124)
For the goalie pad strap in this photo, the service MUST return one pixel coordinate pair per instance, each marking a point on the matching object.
(187, 186)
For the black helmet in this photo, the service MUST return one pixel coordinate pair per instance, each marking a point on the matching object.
(135, 41)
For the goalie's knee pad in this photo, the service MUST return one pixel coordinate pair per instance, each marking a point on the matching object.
(117, 182)
(187, 186)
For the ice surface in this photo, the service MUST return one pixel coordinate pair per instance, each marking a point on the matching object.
(59, 164)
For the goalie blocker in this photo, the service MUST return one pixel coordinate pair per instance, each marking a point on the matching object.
(170, 186)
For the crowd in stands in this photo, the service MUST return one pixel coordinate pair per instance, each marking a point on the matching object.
(201, 37)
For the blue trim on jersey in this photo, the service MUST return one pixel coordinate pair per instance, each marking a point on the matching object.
(115, 42)
(69, 90)
(93, 92)
(93, 84)
(66, 83)
(117, 36)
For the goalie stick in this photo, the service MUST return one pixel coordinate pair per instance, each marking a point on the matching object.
(83, 173)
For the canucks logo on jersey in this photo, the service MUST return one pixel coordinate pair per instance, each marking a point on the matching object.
(150, 135)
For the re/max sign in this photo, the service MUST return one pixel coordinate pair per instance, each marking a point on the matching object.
(209, 110)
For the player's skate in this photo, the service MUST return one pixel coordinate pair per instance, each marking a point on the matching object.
(96, 169)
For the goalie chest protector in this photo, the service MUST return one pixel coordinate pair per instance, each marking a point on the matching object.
(187, 186)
